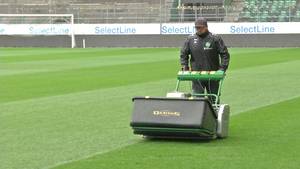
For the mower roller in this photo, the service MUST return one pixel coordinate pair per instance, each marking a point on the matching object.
(183, 115)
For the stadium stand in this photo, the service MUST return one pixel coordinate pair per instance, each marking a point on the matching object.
(188, 10)
(91, 11)
(144, 11)
(155, 11)
(270, 10)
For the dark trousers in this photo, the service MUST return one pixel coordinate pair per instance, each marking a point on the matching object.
(211, 87)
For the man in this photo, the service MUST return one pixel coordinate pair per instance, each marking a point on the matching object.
(204, 51)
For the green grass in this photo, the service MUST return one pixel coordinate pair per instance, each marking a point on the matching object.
(58, 106)
(262, 138)
(101, 69)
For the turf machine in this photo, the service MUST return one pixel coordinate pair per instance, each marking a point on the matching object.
(183, 115)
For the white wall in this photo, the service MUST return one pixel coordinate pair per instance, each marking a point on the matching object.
(149, 29)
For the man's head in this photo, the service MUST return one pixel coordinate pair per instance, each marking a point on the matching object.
(201, 26)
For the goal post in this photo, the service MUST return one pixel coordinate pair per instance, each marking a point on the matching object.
(38, 24)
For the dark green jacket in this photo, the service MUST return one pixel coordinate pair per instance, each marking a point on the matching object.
(205, 53)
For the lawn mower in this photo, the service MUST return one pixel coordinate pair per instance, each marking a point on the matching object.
(183, 115)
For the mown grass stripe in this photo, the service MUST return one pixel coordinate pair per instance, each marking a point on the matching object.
(93, 122)
(78, 63)
(90, 59)
(26, 86)
(44, 130)
(74, 54)
(20, 87)
(262, 138)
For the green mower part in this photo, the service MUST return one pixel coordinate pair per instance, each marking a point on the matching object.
(200, 75)
(174, 117)
(203, 76)
(175, 132)
(178, 116)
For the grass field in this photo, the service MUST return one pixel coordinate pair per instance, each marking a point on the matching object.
(70, 109)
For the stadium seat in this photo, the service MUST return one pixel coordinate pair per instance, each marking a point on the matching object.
(297, 16)
(269, 10)
(141, 11)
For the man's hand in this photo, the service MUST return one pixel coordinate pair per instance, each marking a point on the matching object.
(220, 71)
(185, 68)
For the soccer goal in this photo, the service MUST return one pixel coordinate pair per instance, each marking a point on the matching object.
(33, 25)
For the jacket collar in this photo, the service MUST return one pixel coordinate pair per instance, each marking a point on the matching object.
(204, 35)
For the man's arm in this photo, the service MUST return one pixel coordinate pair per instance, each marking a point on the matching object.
(223, 52)
(184, 55)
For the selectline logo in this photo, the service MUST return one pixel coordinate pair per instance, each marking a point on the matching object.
(177, 29)
(115, 30)
(49, 30)
(252, 29)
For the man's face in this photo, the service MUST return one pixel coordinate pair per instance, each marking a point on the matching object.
(201, 29)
